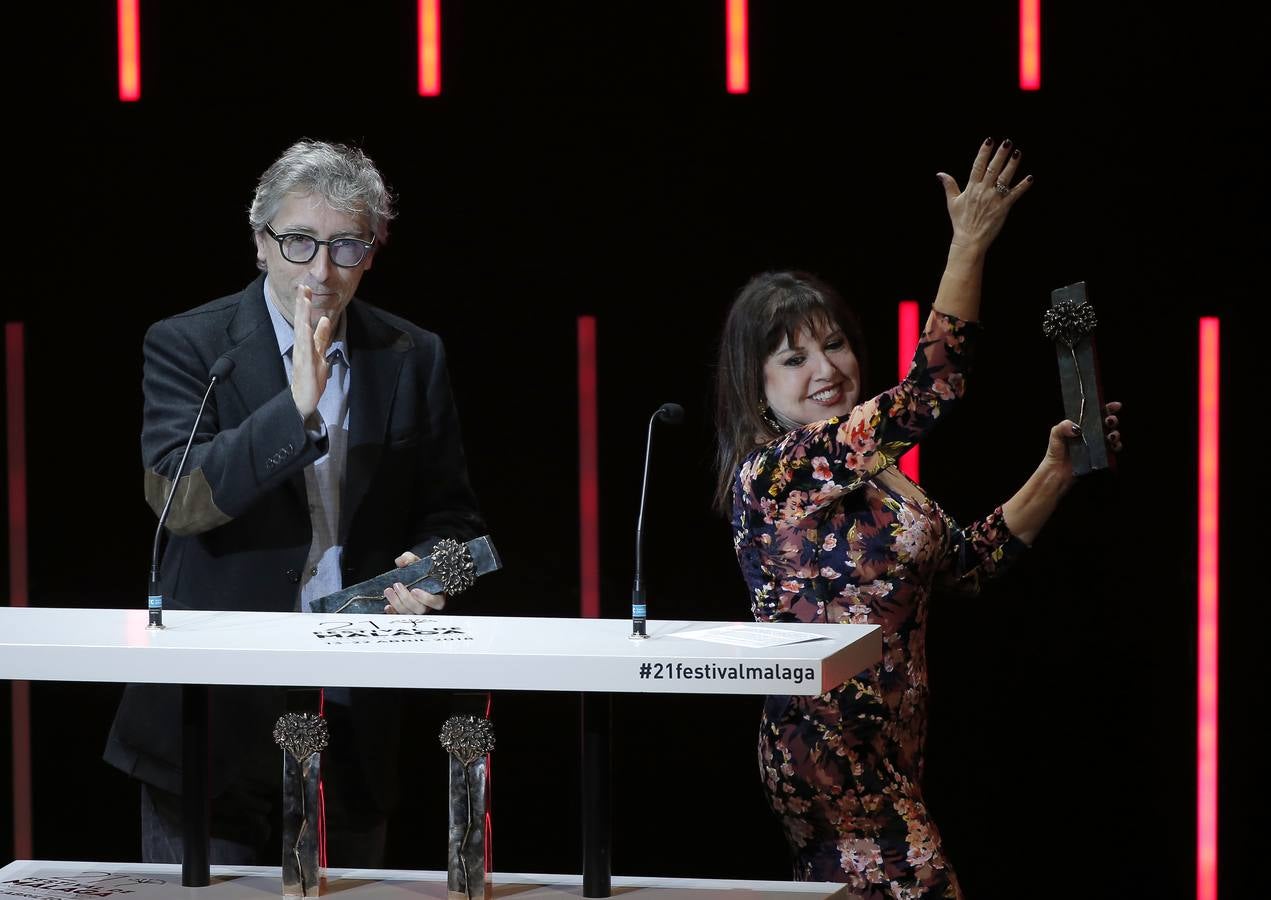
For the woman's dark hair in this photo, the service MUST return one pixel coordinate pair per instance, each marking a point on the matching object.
(772, 306)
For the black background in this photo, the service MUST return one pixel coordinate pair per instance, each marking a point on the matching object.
(586, 159)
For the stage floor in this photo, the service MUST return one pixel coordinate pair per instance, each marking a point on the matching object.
(58, 880)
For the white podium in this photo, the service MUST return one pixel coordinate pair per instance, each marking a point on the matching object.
(595, 657)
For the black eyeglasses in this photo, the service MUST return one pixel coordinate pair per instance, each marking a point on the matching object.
(301, 248)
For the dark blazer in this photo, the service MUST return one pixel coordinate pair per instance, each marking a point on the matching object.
(240, 525)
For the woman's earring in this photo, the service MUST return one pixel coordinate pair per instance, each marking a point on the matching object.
(769, 418)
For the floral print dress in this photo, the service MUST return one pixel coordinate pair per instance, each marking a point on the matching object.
(826, 529)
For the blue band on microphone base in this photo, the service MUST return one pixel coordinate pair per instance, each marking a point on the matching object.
(637, 611)
(156, 601)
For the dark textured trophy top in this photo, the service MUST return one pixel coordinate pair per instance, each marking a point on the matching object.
(301, 734)
(467, 737)
(1069, 321)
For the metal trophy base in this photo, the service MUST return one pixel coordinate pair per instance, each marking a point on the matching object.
(467, 878)
(301, 874)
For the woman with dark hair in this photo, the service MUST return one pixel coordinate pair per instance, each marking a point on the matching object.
(827, 529)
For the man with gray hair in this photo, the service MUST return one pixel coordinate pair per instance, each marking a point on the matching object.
(331, 454)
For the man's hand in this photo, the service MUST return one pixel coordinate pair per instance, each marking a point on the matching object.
(309, 369)
(413, 601)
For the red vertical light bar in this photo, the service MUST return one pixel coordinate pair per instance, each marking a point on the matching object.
(1207, 624)
(129, 50)
(429, 48)
(738, 46)
(588, 470)
(906, 346)
(1030, 45)
(20, 708)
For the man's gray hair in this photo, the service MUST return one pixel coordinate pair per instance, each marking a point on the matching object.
(343, 176)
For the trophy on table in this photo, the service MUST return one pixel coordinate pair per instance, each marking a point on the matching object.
(302, 737)
(468, 740)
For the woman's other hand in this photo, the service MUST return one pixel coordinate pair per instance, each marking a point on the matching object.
(1057, 457)
(1027, 511)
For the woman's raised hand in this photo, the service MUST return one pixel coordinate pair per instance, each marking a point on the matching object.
(979, 210)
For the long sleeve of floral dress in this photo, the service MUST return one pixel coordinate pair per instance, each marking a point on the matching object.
(981, 550)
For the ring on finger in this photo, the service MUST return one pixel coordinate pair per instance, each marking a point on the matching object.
(1002, 189)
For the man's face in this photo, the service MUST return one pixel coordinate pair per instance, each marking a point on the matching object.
(332, 286)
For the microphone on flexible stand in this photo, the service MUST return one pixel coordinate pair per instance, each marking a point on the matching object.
(672, 414)
(220, 371)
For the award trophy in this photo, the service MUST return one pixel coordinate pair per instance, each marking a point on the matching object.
(468, 739)
(451, 568)
(302, 737)
(1070, 323)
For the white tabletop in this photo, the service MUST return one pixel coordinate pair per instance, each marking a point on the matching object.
(47, 880)
(446, 652)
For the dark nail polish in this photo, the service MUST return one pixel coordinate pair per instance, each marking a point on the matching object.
(1015, 155)
(1029, 178)
(1076, 429)
(988, 142)
(1006, 145)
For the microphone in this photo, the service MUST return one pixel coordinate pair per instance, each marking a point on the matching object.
(672, 414)
(220, 371)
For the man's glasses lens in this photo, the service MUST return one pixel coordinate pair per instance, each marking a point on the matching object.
(347, 252)
(297, 248)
